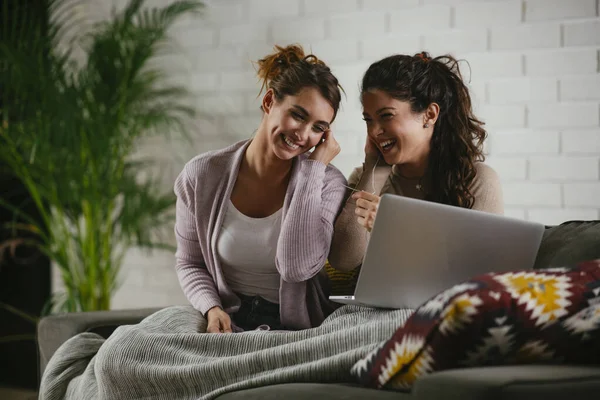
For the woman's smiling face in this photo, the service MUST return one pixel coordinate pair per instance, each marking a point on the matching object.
(297, 123)
(394, 128)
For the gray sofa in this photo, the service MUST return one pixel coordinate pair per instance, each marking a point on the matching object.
(564, 244)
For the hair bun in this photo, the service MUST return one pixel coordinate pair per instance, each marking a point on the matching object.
(423, 56)
(273, 65)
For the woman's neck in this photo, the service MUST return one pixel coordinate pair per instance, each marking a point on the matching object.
(261, 163)
(413, 170)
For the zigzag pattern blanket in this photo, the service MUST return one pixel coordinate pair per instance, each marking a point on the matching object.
(166, 356)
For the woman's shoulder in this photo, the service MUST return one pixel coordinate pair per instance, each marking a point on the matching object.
(484, 174)
(332, 173)
(355, 175)
(212, 161)
(487, 189)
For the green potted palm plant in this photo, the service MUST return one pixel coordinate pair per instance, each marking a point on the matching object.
(70, 124)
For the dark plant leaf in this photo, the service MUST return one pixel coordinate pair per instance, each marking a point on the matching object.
(71, 128)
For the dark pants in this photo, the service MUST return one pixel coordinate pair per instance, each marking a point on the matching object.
(256, 311)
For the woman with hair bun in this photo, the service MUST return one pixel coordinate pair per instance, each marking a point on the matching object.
(423, 141)
(255, 220)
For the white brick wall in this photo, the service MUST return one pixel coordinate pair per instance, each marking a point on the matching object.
(456, 41)
(492, 65)
(298, 30)
(532, 194)
(342, 51)
(523, 90)
(584, 87)
(388, 4)
(503, 117)
(523, 37)
(564, 115)
(534, 72)
(581, 141)
(582, 33)
(488, 13)
(357, 25)
(537, 10)
(381, 46)
(509, 167)
(582, 194)
(424, 18)
(329, 7)
(269, 9)
(563, 168)
(562, 62)
(524, 142)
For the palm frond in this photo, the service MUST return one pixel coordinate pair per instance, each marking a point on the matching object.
(71, 129)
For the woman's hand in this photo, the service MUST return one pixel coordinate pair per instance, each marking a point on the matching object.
(327, 149)
(218, 321)
(373, 154)
(366, 208)
(371, 150)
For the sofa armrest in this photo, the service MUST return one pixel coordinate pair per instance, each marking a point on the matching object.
(520, 382)
(54, 330)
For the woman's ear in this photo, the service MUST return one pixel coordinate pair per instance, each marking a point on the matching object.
(431, 114)
(268, 101)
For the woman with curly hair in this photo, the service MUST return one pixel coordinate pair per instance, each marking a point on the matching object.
(255, 220)
(423, 141)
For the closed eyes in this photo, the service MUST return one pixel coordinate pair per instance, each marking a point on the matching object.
(316, 128)
(384, 117)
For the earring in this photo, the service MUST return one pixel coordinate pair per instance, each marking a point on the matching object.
(426, 125)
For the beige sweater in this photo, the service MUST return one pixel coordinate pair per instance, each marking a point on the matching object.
(350, 239)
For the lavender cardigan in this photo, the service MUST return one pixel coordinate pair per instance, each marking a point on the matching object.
(313, 199)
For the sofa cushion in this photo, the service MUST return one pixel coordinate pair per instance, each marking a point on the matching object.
(312, 391)
(569, 243)
(522, 382)
(521, 317)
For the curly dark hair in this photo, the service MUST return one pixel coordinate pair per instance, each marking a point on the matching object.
(458, 136)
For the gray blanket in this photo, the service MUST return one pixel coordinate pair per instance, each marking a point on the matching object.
(166, 357)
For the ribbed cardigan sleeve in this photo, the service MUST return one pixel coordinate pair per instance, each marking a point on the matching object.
(194, 278)
(306, 233)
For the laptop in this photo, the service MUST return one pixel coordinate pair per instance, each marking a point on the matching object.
(419, 248)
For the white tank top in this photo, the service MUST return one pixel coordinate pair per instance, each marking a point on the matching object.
(246, 248)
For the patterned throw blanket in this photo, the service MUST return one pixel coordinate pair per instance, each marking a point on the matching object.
(166, 356)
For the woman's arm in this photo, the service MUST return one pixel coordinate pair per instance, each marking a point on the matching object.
(349, 238)
(195, 280)
(306, 232)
